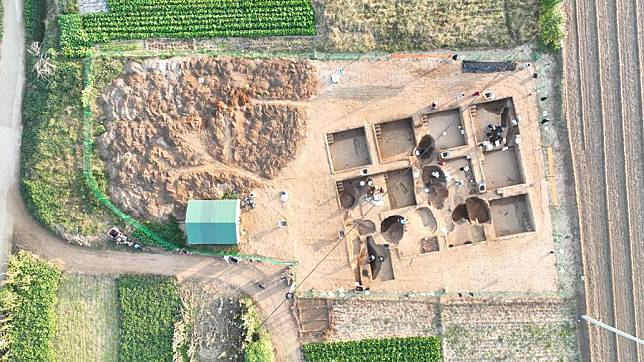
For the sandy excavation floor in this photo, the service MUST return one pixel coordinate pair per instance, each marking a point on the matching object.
(310, 107)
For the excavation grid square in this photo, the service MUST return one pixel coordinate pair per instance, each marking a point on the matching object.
(348, 149)
(445, 127)
(501, 168)
(500, 112)
(511, 215)
(395, 138)
(400, 188)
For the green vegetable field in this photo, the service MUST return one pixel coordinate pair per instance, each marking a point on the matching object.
(149, 308)
(392, 349)
(28, 309)
(142, 19)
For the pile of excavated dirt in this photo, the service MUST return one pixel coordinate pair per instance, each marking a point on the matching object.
(194, 128)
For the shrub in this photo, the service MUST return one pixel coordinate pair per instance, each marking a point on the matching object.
(149, 307)
(51, 178)
(257, 342)
(28, 309)
(391, 349)
(552, 24)
(34, 12)
(168, 231)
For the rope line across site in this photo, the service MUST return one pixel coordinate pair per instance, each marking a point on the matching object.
(410, 168)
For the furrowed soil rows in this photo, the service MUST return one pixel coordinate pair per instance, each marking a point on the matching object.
(602, 61)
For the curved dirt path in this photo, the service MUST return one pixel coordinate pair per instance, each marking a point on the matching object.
(244, 276)
(603, 97)
(17, 224)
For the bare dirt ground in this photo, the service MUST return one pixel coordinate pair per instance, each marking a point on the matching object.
(177, 129)
(603, 65)
(373, 92)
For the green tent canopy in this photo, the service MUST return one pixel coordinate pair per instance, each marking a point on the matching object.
(212, 222)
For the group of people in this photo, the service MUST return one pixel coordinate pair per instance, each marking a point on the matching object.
(495, 135)
(248, 202)
(373, 192)
(120, 239)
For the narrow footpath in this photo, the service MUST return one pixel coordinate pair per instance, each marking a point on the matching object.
(11, 84)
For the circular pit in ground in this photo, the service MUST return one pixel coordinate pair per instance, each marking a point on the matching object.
(426, 147)
(474, 209)
(427, 218)
(429, 175)
(392, 229)
(365, 227)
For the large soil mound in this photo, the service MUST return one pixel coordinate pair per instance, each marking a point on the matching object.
(192, 128)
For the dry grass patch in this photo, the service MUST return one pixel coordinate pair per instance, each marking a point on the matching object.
(88, 326)
(362, 25)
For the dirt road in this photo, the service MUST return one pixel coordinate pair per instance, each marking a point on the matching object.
(11, 82)
(603, 62)
(244, 276)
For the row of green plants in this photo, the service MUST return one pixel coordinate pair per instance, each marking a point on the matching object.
(34, 13)
(185, 19)
(552, 24)
(149, 308)
(28, 309)
(391, 349)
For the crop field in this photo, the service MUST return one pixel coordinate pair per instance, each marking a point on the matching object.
(149, 308)
(418, 24)
(88, 325)
(509, 342)
(27, 309)
(604, 94)
(145, 19)
(392, 349)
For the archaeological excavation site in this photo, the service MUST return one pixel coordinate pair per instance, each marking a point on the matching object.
(410, 176)
(320, 180)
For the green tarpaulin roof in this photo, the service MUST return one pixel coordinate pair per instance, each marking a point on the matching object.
(212, 222)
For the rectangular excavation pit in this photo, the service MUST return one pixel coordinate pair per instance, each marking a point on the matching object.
(395, 139)
(503, 168)
(462, 172)
(400, 188)
(512, 215)
(348, 149)
(498, 112)
(446, 127)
